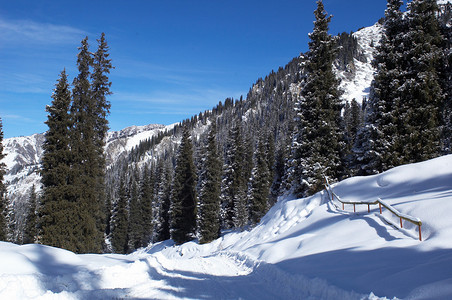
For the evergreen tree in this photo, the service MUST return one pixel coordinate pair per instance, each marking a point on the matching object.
(84, 153)
(146, 203)
(421, 92)
(446, 77)
(374, 151)
(120, 220)
(318, 143)
(135, 215)
(260, 184)
(100, 89)
(183, 193)
(57, 207)
(164, 200)
(3, 224)
(30, 231)
(234, 183)
(88, 111)
(209, 195)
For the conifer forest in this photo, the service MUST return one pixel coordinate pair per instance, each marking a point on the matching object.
(224, 168)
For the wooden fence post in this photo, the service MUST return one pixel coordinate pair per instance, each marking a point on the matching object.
(401, 226)
(368, 208)
(420, 235)
(380, 207)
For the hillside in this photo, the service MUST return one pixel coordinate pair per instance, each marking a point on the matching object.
(302, 249)
(268, 99)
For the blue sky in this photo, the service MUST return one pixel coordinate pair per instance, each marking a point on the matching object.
(172, 58)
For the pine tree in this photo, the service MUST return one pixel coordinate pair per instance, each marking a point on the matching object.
(164, 200)
(88, 111)
(3, 224)
(30, 231)
(233, 187)
(57, 204)
(374, 149)
(446, 77)
(209, 195)
(146, 205)
(135, 215)
(120, 220)
(260, 184)
(183, 193)
(421, 92)
(100, 89)
(318, 143)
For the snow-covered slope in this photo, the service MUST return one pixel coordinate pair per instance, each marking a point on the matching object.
(303, 249)
(23, 156)
(356, 82)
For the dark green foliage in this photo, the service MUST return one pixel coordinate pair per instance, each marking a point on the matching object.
(318, 141)
(31, 230)
(120, 221)
(73, 171)
(135, 215)
(349, 51)
(403, 124)
(57, 207)
(146, 203)
(209, 195)
(374, 151)
(3, 224)
(260, 183)
(421, 93)
(234, 189)
(183, 193)
(163, 197)
(100, 89)
(445, 18)
(85, 154)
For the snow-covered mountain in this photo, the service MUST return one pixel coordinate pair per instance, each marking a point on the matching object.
(23, 154)
(303, 249)
(356, 82)
(23, 157)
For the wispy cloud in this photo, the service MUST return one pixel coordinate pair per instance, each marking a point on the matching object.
(14, 31)
(129, 68)
(195, 97)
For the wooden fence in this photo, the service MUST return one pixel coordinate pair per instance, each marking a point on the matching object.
(381, 203)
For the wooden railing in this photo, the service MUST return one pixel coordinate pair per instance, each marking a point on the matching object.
(381, 203)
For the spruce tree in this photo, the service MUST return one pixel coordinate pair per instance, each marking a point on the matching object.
(183, 193)
(30, 231)
(164, 200)
(135, 215)
(421, 94)
(375, 149)
(120, 220)
(317, 146)
(3, 223)
(88, 111)
(146, 206)
(446, 78)
(234, 182)
(260, 184)
(100, 89)
(209, 195)
(57, 203)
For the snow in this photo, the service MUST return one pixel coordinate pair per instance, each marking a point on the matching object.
(303, 249)
(358, 86)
